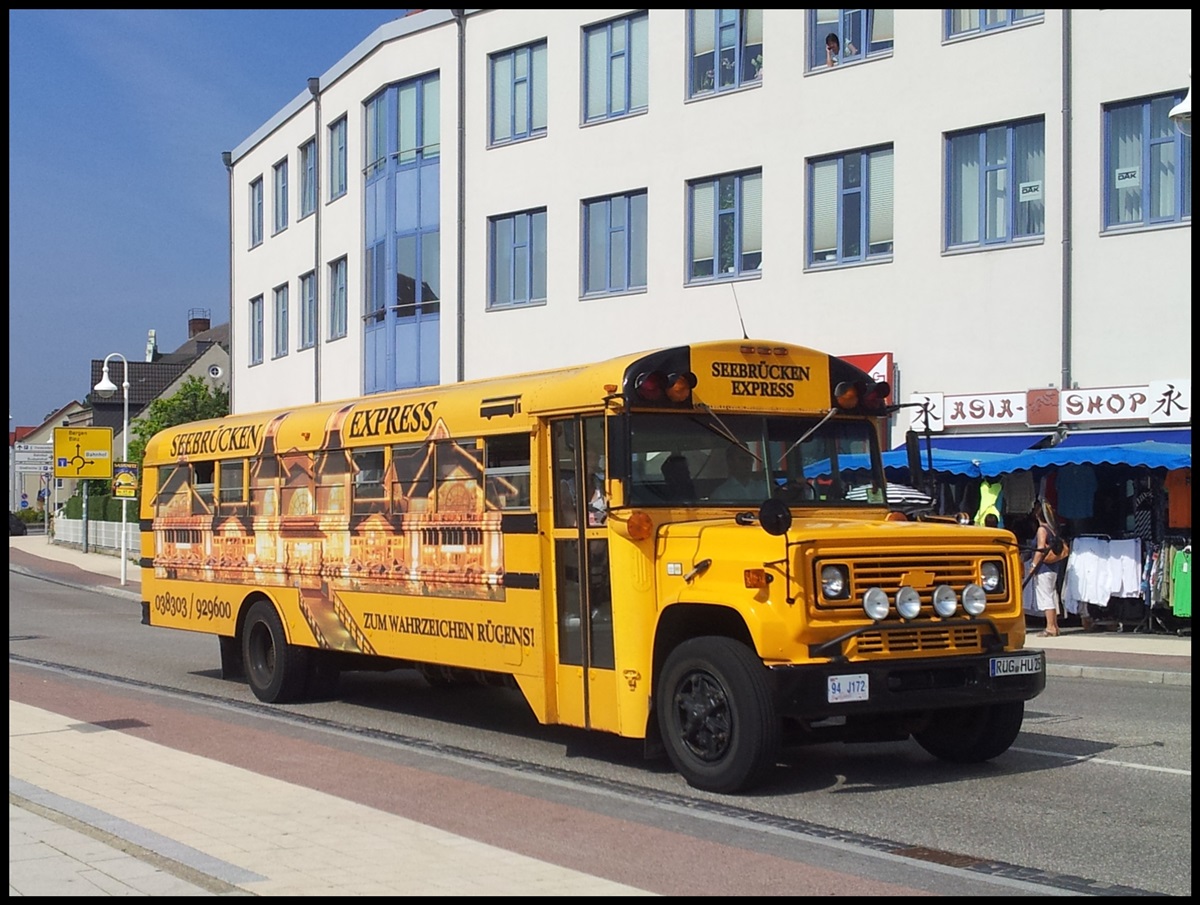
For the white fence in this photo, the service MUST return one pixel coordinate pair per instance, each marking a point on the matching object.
(103, 537)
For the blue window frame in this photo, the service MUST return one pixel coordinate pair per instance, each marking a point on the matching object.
(725, 49)
(337, 299)
(308, 178)
(850, 207)
(518, 93)
(256, 212)
(402, 229)
(1147, 164)
(995, 184)
(614, 244)
(337, 159)
(725, 227)
(281, 321)
(256, 330)
(280, 200)
(308, 310)
(840, 36)
(616, 80)
(961, 22)
(517, 259)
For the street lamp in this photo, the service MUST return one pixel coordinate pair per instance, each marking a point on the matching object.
(1181, 113)
(106, 388)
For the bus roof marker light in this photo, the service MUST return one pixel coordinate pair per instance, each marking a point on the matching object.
(680, 385)
(845, 394)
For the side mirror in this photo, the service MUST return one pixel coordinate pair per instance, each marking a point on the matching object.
(775, 517)
(912, 447)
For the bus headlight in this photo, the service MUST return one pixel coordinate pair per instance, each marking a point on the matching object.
(908, 603)
(990, 574)
(835, 582)
(945, 601)
(974, 599)
(875, 603)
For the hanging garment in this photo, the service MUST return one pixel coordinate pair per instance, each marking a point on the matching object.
(989, 500)
(1181, 583)
(1076, 491)
(1125, 566)
(1018, 492)
(1089, 577)
(1179, 498)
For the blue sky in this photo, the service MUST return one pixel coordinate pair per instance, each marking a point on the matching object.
(118, 201)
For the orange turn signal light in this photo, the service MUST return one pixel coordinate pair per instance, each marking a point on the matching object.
(756, 578)
(640, 526)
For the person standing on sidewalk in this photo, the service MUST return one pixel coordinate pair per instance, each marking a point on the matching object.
(1044, 573)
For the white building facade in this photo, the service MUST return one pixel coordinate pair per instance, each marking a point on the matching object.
(989, 206)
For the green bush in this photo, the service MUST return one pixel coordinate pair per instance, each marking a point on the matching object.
(31, 516)
(102, 507)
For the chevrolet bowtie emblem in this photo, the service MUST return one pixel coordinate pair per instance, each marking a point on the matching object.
(919, 580)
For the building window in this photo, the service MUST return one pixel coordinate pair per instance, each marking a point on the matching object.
(308, 310)
(839, 36)
(281, 321)
(337, 159)
(256, 212)
(256, 330)
(337, 299)
(725, 226)
(308, 178)
(1147, 164)
(517, 259)
(518, 98)
(377, 135)
(281, 196)
(961, 22)
(996, 184)
(850, 206)
(418, 123)
(614, 244)
(616, 68)
(725, 47)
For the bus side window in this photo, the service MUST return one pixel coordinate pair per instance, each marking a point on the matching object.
(204, 484)
(368, 481)
(506, 471)
(231, 488)
(412, 467)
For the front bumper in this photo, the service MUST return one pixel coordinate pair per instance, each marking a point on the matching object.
(900, 686)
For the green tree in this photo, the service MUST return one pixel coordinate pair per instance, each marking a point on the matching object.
(195, 401)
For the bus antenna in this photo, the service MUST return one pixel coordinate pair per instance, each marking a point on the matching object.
(737, 305)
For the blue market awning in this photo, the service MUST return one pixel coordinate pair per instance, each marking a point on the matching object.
(1110, 438)
(1146, 454)
(988, 443)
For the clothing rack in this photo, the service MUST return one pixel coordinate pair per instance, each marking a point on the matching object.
(1153, 623)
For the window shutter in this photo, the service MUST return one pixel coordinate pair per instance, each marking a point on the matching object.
(879, 181)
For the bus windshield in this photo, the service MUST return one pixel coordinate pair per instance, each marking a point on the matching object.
(711, 459)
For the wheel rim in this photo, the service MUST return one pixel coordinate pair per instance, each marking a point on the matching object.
(262, 655)
(703, 719)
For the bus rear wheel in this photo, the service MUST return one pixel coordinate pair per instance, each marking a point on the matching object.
(972, 735)
(275, 670)
(716, 715)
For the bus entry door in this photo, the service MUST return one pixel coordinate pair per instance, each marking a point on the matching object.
(586, 676)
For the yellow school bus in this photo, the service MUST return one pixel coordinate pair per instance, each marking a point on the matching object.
(691, 546)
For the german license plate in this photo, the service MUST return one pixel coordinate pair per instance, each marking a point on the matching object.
(1014, 666)
(840, 689)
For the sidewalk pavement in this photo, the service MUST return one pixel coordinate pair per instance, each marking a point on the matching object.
(70, 836)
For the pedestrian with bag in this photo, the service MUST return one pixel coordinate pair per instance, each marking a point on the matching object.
(1049, 549)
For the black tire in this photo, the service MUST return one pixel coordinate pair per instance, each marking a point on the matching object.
(972, 735)
(275, 670)
(716, 715)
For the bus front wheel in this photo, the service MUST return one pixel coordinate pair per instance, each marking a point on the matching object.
(972, 735)
(275, 670)
(716, 715)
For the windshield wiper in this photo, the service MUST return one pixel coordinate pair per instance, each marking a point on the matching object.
(808, 433)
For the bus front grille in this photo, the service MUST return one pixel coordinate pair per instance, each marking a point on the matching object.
(920, 640)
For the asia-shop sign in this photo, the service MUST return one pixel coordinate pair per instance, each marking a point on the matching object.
(1158, 402)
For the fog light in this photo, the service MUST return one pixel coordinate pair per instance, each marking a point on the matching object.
(945, 601)
(875, 603)
(974, 599)
(908, 602)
